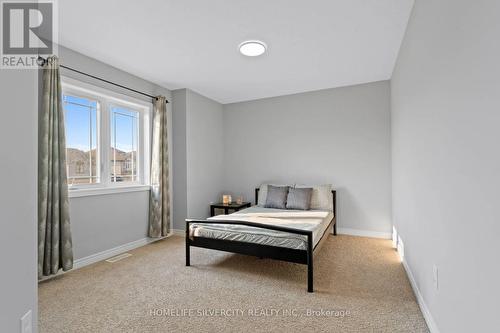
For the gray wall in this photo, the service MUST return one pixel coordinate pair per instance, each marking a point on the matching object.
(102, 222)
(339, 136)
(205, 146)
(179, 158)
(18, 197)
(198, 155)
(446, 162)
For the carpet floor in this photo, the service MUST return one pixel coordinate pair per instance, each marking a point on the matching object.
(360, 286)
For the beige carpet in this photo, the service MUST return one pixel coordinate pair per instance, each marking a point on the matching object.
(360, 286)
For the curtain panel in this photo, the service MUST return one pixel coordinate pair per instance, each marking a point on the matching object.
(159, 201)
(55, 249)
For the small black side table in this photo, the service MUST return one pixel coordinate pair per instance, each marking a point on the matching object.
(234, 206)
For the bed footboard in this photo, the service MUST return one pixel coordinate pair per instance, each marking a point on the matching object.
(263, 251)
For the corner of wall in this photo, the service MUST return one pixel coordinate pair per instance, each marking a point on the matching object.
(179, 182)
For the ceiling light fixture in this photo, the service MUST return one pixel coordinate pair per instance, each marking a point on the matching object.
(252, 48)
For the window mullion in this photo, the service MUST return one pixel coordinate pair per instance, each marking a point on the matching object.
(141, 170)
(105, 143)
(90, 145)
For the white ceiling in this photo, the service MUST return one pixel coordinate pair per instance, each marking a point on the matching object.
(313, 44)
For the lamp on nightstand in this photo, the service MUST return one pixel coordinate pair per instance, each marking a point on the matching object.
(226, 199)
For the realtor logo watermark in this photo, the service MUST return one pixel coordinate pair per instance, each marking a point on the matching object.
(29, 29)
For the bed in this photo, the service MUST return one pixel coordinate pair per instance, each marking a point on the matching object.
(287, 235)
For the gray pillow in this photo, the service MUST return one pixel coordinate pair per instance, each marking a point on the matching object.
(322, 198)
(276, 197)
(263, 192)
(299, 198)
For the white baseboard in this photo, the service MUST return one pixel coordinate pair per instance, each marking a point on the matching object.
(178, 232)
(420, 300)
(79, 263)
(364, 233)
(106, 254)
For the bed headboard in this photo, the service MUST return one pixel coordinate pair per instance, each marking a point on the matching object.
(334, 198)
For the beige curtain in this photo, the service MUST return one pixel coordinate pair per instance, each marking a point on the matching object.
(159, 201)
(55, 250)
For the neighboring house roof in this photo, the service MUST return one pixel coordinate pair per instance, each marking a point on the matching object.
(73, 154)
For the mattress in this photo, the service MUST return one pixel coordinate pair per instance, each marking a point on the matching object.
(315, 220)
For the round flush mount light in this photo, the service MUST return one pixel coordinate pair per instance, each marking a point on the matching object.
(252, 48)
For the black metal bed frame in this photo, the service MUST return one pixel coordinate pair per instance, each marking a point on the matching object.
(264, 251)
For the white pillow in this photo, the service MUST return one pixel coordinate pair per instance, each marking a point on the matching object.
(322, 197)
(262, 195)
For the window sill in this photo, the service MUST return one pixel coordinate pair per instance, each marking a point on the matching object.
(85, 192)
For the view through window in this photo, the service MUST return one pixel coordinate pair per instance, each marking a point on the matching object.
(82, 155)
(124, 137)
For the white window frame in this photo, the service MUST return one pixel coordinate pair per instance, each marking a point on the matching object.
(105, 100)
(85, 95)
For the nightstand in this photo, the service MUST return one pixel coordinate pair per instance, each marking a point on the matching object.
(232, 206)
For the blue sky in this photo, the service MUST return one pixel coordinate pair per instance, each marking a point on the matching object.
(81, 115)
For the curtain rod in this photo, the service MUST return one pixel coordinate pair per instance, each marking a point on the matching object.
(41, 61)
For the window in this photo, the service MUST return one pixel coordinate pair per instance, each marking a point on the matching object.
(107, 137)
(124, 138)
(82, 154)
